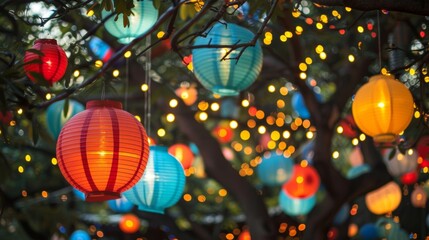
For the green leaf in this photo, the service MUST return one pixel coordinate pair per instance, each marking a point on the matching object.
(66, 107)
(35, 126)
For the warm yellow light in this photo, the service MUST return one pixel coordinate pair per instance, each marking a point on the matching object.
(283, 38)
(286, 134)
(98, 63)
(28, 158)
(203, 105)
(308, 60)
(355, 141)
(20, 169)
(322, 55)
(303, 67)
(233, 124)
(335, 154)
(54, 161)
(360, 29)
(288, 34)
(170, 117)
(244, 135)
(76, 73)
(160, 34)
(144, 87)
(173, 103)
(340, 129)
(215, 106)
(261, 129)
(203, 116)
(351, 58)
(90, 13)
(319, 26)
(245, 103)
(115, 73)
(271, 88)
(161, 132)
(303, 75)
(284, 91)
(319, 49)
(362, 137)
(309, 135)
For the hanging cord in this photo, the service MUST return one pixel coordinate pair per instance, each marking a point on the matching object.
(147, 104)
(127, 66)
(103, 89)
(379, 39)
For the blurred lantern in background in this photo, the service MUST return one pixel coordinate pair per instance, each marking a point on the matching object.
(356, 157)
(45, 61)
(129, 223)
(102, 151)
(383, 108)
(384, 199)
(244, 235)
(120, 205)
(80, 195)
(423, 147)
(223, 132)
(187, 93)
(401, 163)
(274, 169)
(143, 18)
(307, 151)
(80, 235)
(304, 182)
(6, 117)
(228, 108)
(409, 178)
(296, 206)
(56, 117)
(369, 232)
(342, 214)
(358, 170)
(299, 106)
(221, 71)
(100, 49)
(349, 128)
(418, 197)
(182, 153)
(162, 183)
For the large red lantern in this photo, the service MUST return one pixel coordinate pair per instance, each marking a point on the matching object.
(304, 182)
(102, 151)
(50, 62)
(182, 153)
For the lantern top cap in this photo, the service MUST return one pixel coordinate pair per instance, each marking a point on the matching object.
(46, 41)
(381, 76)
(103, 103)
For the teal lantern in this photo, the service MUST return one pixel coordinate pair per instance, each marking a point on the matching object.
(356, 171)
(161, 185)
(143, 18)
(80, 235)
(296, 206)
(55, 117)
(120, 205)
(229, 76)
(274, 169)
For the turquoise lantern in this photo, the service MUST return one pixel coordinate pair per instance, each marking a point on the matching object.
(80, 235)
(296, 206)
(120, 205)
(143, 18)
(356, 171)
(226, 77)
(162, 183)
(55, 118)
(274, 169)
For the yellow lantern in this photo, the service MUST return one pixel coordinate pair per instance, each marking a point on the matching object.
(382, 108)
(384, 199)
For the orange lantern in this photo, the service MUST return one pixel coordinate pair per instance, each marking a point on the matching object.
(384, 199)
(245, 235)
(304, 182)
(382, 108)
(129, 223)
(188, 94)
(419, 197)
(102, 151)
(223, 133)
(182, 153)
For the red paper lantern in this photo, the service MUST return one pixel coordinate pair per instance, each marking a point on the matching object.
(304, 182)
(349, 127)
(129, 223)
(223, 133)
(102, 151)
(50, 63)
(409, 178)
(182, 153)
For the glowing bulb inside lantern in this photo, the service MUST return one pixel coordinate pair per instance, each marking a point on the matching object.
(381, 105)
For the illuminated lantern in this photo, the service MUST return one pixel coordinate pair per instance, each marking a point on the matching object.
(299, 106)
(129, 223)
(349, 127)
(226, 77)
(6, 117)
(245, 235)
(356, 157)
(358, 170)
(50, 63)
(120, 205)
(80, 195)
(304, 182)
(384, 199)
(383, 108)
(143, 18)
(100, 49)
(296, 206)
(369, 232)
(409, 178)
(386, 226)
(80, 235)
(55, 118)
(223, 133)
(274, 169)
(400, 163)
(418, 197)
(162, 183)
(102, 151)
(182, 153)
(188, 94)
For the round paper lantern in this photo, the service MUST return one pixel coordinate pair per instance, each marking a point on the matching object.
(382, 108)
(188, 94)
(100, 48)
(369, 232)
(49, 63)
(358, 170)
(143, 18)
(356, 157)
(129, 223)
(183, 153)
(401, 163)
(386, 226)
(296, 206)
(274, 169)
(304, 182)
(55, 118)
(226, 77)
(418, 197)
(299, 106)
(103, 150)
(223, 133)
(384, 199)
(80, 235)
(120, 205)
(409, 178)
(162, 183)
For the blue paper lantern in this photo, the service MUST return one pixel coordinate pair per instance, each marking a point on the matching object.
(274, 169)
(55, 118)
(120, 205)
(162, 183)
(80, 195)
(296, 206)
(100, 48)
(369, 232)
(299, 106)
(143, 18)
(229, 76)
(356, 171)
(387, 228)
(80, 235)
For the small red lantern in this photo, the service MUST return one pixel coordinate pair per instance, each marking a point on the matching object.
(349, 127)
(51, 63)
(6, 117)
(129, 223)
(102, 151)
(182, 153)
(223, 133)
(304, 182)
(409, 178)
